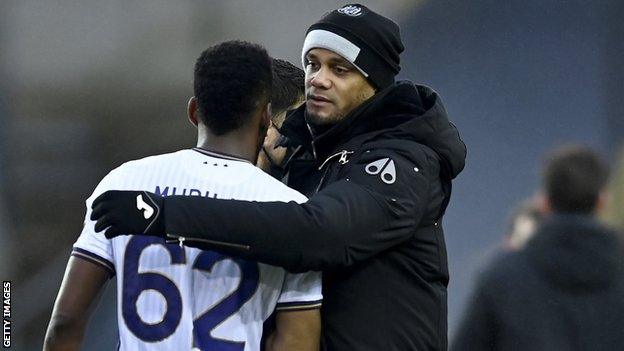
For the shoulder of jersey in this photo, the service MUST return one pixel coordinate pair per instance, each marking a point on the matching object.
(282, 191)
(145, 162)
(150, 161)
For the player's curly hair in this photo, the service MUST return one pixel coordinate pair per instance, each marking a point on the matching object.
(231, 80)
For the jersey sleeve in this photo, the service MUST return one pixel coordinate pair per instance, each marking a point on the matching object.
(300, 291)
(92, 246)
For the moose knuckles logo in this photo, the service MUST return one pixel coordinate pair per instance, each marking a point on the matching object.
(351, 10)
(385, 166)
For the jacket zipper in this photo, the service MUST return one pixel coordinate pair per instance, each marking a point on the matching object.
(172, 238)
(322, 180)
(342, 160)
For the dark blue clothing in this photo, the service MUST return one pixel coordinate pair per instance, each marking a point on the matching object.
(563, 292)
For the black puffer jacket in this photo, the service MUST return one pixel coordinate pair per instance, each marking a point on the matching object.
(383, 177)
(564, 291)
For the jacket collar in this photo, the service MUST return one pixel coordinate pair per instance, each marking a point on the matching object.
(358, 122)
(401, 111)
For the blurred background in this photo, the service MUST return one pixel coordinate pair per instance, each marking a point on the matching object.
(87, 85)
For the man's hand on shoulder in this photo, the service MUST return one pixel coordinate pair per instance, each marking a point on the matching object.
(128, 212)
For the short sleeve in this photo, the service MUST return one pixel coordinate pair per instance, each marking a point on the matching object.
(92, 246)
(300, 291)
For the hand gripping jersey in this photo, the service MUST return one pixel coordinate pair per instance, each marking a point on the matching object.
(172, 297)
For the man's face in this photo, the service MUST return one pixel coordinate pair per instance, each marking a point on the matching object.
(334, 87)
(270, 155)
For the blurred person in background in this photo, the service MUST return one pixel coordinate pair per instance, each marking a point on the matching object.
(288, 93)
(377, 158)
(173, 297)
(564, 290)
(522, 224)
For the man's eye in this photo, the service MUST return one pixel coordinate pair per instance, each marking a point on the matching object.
(340, 70)
(313, 65)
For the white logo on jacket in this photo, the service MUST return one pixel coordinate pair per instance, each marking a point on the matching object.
(384, 167)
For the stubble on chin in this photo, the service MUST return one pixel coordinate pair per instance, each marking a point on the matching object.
(319, 121)
(338, 116)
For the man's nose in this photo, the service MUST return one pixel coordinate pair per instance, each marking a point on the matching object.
(321, 79)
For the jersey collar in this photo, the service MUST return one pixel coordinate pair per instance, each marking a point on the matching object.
(219, 155)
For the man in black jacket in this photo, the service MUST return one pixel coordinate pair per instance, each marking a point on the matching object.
(377, 158)
(565, 289)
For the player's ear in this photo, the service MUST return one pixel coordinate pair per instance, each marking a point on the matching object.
(192, 110)
(265, 119)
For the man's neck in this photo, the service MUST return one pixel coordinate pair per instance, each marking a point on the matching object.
(318, 129)
(232, 144)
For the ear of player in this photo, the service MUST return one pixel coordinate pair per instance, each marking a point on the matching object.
(128, 212)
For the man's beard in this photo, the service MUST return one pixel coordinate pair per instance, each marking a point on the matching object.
(317, 120)
(323, 122)
(320, 125)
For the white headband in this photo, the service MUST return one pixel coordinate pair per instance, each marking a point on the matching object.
(323, 39)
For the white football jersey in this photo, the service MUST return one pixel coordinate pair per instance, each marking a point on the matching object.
(181, 298)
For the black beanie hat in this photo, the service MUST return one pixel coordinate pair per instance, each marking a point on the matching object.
(370, 41)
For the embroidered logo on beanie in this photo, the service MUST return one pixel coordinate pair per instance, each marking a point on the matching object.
(351, 10)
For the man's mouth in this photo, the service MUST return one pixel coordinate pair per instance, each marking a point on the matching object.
(318, 100)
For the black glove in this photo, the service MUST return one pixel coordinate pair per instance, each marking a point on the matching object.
(129, 212)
